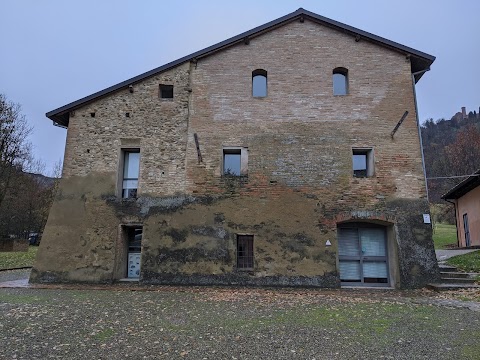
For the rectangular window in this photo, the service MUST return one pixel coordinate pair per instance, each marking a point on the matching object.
(245, 252)
(132, 236)
(131, 169)
(362, 162)
(166, 91)
(235, 161)
(466, 229)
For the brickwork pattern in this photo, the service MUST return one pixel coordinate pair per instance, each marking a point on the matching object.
(300, 134)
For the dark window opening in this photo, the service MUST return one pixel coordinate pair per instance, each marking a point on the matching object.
(131, 169)
(134, 236)
(340, 81)
(466, 229)
(259, 83)
(92, 114)
(166, 91)
(232, 162)
(245, 251)
(362, 162)
(134, 239)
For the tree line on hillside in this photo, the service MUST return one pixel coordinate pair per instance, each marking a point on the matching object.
(452, 150)
(25, 194)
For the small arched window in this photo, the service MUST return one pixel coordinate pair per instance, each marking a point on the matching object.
(340, 81)
(259, 83)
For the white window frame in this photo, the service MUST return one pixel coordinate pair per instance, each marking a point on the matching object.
(121, 165)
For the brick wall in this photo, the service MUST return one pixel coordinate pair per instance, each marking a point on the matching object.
(300, 134)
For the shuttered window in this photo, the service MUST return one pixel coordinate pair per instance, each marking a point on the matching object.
(362, 254)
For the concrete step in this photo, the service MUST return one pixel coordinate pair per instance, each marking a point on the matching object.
(453, 274)
(447, 268)
(456, 280)
(452, 286)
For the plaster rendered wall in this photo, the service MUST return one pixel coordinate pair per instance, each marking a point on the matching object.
(299, 184)
(469, 204)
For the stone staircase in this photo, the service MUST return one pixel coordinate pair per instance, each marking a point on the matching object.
(452, 279)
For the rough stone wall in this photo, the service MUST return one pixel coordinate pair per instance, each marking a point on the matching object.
(157, 126)
(299, 184)
(81, 235)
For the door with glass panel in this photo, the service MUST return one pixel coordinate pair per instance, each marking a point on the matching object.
(362, 255)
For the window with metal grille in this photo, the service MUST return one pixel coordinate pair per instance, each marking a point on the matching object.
(245, 252)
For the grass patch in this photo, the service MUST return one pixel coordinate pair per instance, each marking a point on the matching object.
(22, 299)
(105, 334)
(444, 235)
(469, 262)
(10, 260)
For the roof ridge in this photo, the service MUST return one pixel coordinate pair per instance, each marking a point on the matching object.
(60, 115)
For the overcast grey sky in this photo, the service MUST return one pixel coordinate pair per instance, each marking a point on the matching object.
(55, 51)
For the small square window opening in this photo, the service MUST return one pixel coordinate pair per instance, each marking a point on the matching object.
(232, 162)
(362, 162)
(166, 91)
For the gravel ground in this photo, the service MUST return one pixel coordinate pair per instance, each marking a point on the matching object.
(232, 323)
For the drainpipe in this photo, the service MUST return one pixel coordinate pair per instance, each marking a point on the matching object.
(456, 222)
(419, 129)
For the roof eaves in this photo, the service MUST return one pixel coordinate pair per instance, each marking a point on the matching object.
(463, 187)
(60, 115)
(56, 115)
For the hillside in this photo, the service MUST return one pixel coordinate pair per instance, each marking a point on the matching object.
(451, 148)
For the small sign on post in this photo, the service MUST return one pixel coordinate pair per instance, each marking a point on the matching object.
(426, 219)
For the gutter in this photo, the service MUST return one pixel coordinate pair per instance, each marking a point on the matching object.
(419, 130)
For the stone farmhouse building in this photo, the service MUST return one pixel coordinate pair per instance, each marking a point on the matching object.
(288, 155)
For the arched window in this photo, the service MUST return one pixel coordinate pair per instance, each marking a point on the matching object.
(340, 81)
(259, 83)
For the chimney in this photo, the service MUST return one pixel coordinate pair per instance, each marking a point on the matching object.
(464, 112)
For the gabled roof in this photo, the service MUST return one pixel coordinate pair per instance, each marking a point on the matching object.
(419, 60)
(463, 187)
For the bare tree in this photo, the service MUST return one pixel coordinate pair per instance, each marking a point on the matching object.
(14, 147)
